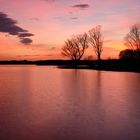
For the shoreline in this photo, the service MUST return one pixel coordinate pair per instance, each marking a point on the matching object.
(99, 69)
(105, 65)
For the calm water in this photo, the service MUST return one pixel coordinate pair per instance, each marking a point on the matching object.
(46, 103)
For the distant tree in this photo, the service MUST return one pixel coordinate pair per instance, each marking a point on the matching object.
(75, 47)
(129, 54)
(132, 39)
(126, 54)
(96, 40)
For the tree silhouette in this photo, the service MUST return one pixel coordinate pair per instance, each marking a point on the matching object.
(75, 47)
(96, 40)
(132, 39)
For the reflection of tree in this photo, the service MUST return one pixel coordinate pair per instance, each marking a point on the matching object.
(75, 47)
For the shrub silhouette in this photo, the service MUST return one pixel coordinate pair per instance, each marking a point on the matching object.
(129, 54)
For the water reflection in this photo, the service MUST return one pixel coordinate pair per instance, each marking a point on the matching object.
(42, 103)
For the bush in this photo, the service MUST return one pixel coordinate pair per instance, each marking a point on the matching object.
(129, 54)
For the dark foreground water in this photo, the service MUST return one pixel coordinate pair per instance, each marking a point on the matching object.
(46, 103)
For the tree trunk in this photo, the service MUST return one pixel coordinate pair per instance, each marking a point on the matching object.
(99, 56)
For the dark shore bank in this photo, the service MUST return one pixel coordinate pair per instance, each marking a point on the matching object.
(108, 65)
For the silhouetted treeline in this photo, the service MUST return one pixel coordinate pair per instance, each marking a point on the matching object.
(47, 62)
(109, 65)
(75, 47)
(132, 42)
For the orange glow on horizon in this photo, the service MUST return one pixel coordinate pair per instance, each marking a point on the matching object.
(52, 22)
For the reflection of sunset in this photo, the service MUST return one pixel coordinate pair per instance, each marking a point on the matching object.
(52, 22)
(46, 103)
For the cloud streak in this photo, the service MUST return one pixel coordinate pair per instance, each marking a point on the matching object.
(74, 18)
(81, 6)
(9, 25)
(26, 41)
(25, 34)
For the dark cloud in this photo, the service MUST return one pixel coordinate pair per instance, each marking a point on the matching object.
(25, 35)
(9, 25)
(81, 6)
(26, 41)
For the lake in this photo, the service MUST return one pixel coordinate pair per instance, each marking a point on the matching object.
(47, 103)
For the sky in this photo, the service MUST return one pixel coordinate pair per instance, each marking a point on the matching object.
(37, 29)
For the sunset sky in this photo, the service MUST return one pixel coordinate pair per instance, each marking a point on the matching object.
(51, 22)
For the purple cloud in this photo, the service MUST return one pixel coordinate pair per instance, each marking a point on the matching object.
(9, 25)
(26, 41)
(81, 6)
(25, 35)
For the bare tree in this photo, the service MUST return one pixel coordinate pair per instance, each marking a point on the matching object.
(96, 40)
(132, 39)
(75, 47)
